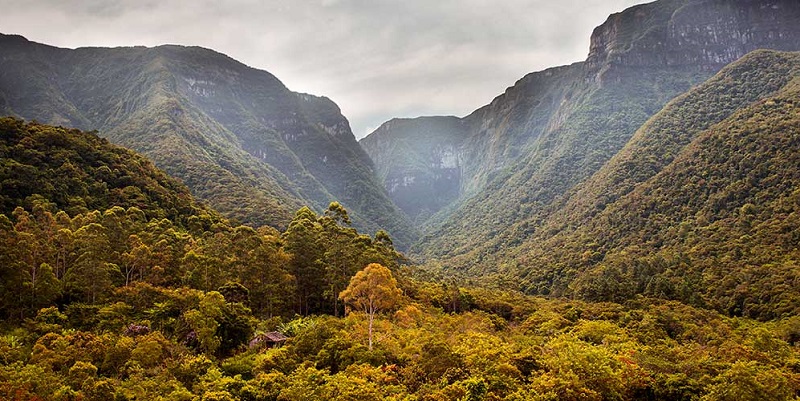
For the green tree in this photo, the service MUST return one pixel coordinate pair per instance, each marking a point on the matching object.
(340, 252)
(205, 320)
(91, 275)
(263, 270)
(338, 214)
(303, 243)
(372, 290)
(135, 259)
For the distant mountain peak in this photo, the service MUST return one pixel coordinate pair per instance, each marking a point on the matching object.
(692, 33)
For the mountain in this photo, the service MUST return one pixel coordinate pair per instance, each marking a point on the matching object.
(421, 169)
(520, 155)
(235, 135)
(702, 205)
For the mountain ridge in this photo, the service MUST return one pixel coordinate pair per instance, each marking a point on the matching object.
(234, 134)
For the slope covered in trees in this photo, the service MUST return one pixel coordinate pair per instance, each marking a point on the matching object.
(78, 172)
(701, 206)
(130, 303)
(82, 217)
(235, 135)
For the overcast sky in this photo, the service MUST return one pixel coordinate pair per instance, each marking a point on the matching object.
(377, 59)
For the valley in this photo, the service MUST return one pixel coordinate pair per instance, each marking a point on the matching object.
(177, 225)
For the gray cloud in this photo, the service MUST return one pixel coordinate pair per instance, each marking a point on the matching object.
(377, 59)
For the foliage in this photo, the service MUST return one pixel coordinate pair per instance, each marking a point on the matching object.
(45, 167)
(700, 207)
(551, 349)
(372, 290)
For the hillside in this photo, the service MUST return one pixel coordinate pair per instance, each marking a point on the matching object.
(236, 136)
(554, 129)
(129, 303)
(54, 168)
(82, 218)
(701, 206)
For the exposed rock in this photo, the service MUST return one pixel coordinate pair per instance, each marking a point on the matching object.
(430, 176)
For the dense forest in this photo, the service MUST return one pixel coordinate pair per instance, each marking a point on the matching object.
(124, 287)
(701, 206)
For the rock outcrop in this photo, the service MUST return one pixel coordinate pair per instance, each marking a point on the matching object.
(704, 34)
(428, 177)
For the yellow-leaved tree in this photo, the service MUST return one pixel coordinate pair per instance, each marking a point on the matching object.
(372, 290)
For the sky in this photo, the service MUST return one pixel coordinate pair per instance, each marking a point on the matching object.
(377, 59)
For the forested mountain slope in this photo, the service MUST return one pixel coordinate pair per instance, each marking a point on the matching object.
(554, 129)
(235, 135)
(54, 168)
(82, 218)
(702, 205)
(116, 285)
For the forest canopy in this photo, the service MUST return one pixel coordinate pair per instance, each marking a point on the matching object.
(108, 296)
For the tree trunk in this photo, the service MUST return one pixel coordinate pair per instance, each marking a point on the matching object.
(371, 317)
(335, 301)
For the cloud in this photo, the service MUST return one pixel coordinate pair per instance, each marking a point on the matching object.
(377, 59)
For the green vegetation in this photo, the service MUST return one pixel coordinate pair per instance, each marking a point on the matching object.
(132, 303)
(594, 124)
(236, 136)
(700, 207)
(50, 258)
(79, 172)
(152, 231)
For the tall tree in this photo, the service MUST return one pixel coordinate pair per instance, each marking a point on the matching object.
(302, 242)
(135, 259)
(261, 266)
(372, 290)
(92, 275)
(340, 254)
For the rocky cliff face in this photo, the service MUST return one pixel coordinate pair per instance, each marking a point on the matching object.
(705, 34)
(235, 135)
(429, 175)
(428, 163)
(553, 129)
